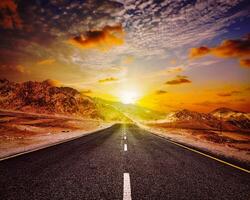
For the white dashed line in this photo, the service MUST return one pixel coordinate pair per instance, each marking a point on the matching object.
(125, 147)
(126, 187)
(125, 137)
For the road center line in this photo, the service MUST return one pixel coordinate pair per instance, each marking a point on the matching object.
(125, 147)
(126, 187)
(125, 137)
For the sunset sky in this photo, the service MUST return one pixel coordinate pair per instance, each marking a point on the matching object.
(168, 54)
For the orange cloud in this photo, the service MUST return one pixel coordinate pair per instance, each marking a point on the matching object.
(104, 39)
(46, 62)
(9, 16)
(161, 92)
(53, 82)
(199, 52)
(228, 94)
(174, 70)
(178, 80)
(111, 79)
(8, 69)
(239, 49)
(245, 62)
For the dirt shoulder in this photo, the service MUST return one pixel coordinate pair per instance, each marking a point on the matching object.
(21, 132)
(232, 145)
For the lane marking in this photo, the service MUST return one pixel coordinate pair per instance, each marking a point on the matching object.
(125, 137)
(211, 157)
(125, 147)
(126, 187)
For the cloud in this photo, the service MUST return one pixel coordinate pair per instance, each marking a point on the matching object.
(128, 60)
(199, 52)
(110, 79)
(161, 92)
(239, 49)
(53, 82)
(245, 62)
(228, 94)
(86, 91)
(46, 62)
(9, 16)
(178, 80)
(105, 39)
(174, 70)
(9, 69)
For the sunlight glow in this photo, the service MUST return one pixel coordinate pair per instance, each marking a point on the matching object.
(129, 97)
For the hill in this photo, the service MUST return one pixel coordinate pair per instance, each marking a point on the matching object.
(212, 121)
(127, 112)
(45, 98)
(234, 117)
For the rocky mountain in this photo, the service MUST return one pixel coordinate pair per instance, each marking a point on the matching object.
(45, 98)
(195, 120)
(234, 117)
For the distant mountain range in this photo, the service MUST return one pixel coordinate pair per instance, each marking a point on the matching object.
(219, 119)
(45, 98)
(127, 112)
(236, 118)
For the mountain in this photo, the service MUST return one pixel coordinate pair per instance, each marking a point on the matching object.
(195, 120)
(45, 98)
(234, 117)
(127, 111)
(108, 112)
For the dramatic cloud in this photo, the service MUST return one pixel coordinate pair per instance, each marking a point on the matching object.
(245, 62)
(239, 49)
(9, 16)
(104, 39)
(110, 79)
(228, 94)
(178, 80)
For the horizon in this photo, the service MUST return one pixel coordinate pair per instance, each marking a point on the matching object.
(127, 104)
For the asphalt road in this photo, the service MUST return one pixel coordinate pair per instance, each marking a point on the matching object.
(93, 167)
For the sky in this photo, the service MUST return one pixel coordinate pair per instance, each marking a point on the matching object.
(165, 54)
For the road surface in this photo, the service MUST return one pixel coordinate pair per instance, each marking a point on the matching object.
(121, 162)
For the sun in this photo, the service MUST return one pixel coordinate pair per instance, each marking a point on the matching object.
(128, 97)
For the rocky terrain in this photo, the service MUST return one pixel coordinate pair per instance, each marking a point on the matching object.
(25, 131)
(236, 118)
(45, 98)
(220, 119)
(223, 131)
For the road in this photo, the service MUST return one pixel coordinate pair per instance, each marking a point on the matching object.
(98, 167)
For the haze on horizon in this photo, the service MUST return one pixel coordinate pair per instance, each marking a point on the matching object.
(164, 55)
